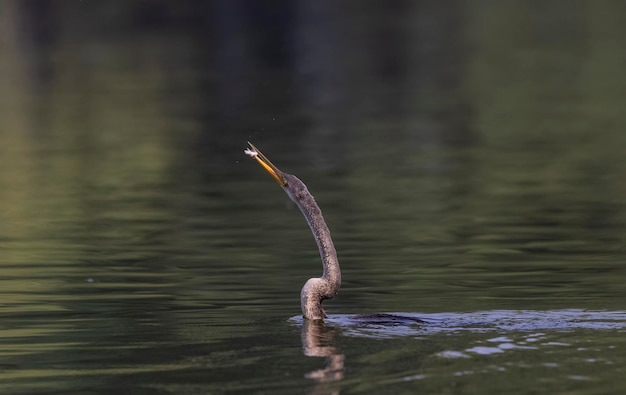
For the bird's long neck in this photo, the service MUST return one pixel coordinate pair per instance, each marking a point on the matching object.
(321, 233)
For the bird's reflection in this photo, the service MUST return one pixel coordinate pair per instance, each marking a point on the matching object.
(319, 341)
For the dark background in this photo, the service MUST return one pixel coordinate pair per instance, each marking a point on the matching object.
(468, 157)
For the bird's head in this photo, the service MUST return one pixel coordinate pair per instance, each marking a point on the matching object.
(274, 171)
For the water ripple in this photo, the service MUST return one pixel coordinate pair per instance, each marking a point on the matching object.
(408, 324)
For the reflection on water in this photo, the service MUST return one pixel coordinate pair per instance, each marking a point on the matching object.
(468, 159)
(319, 341)
(509, 336)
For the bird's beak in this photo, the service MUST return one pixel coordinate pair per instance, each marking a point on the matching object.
(267, 165)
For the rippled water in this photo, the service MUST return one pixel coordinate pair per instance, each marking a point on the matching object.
(471, 171)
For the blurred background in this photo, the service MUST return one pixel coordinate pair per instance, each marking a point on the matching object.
(472, 128)
(467, 155)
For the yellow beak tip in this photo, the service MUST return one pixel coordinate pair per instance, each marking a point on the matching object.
(276, 174)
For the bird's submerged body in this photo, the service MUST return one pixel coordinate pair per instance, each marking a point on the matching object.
(315, 290)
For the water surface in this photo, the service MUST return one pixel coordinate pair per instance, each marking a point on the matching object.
(469, 161)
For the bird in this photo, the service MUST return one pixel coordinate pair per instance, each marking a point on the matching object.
(316, 289)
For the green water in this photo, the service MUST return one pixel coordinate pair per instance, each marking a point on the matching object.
(469, 160)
